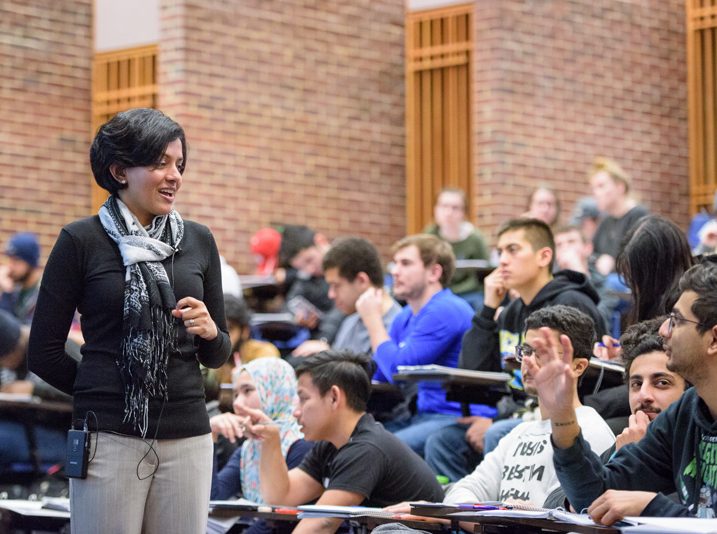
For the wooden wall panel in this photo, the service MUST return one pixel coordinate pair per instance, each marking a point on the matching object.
(121, 80)
(702, 85)
(439, 47)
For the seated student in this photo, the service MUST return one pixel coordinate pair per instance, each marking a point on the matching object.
(610, 186)
(356, 462)
(351, 266)
(450, 213)
(520, 468)
(267, 385)
(20, 276)
(652, 387)
(50, 436)
(573, 251)
(544, 205)
(586, 217)
(428, 330)
(302, 250)
(677, 453)
(526, 249)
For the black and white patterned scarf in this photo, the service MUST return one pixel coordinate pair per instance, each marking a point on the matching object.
(149, 331)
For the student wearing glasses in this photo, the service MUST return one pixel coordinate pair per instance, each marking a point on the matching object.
(679, 451)
(526, 248)
(520, 468)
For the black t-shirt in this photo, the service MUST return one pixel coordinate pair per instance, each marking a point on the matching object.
(611, 231)
(375, 464)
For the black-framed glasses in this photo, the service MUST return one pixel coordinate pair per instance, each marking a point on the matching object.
(523, 350)
(674, 320)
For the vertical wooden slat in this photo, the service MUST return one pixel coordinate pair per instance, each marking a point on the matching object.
(436, 180)
(691, 102)
(426, 148)
(452, 105)
(709, 105)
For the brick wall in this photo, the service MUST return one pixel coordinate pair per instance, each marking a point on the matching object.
(294, 110)
(559, 82)
(294, 113)
(45, 62)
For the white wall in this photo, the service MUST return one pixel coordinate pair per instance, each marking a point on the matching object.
(419, 5)
(125, 23)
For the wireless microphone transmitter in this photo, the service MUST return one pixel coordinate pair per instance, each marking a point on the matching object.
(78, 452)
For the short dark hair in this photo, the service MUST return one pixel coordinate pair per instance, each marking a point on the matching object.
(354, 255)
(537, 233)
(134, 138)
(575, 324)
(432, 250)
(236, 310)
(349, 371)
(294, 239)
(702, 279)
(641, 338)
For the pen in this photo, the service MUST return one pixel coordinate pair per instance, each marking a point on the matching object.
(481, 506)
(614, 344)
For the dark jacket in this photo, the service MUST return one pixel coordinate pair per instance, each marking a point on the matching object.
(678, 454)
(488, 342)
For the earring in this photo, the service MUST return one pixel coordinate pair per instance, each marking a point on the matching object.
(123, 182)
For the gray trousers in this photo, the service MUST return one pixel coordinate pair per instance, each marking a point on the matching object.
(113, 499)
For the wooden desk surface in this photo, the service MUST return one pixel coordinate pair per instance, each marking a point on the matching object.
(439, 373)
(514, 524)
(365, 522)
(29, 515)
(461, 385)
(28, 402)
(509, 524)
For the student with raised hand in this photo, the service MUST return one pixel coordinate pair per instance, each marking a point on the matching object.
(148, 286)
(520, 468)
(356, 462)
(651, 386)
(677, 453)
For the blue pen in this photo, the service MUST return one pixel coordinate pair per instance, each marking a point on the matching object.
(601, 344)
(492, 505)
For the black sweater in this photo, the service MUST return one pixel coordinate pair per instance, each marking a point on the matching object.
(488, 342)
(85, 272)
(678, 454)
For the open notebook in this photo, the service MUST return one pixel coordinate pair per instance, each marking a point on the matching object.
(343, 512)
